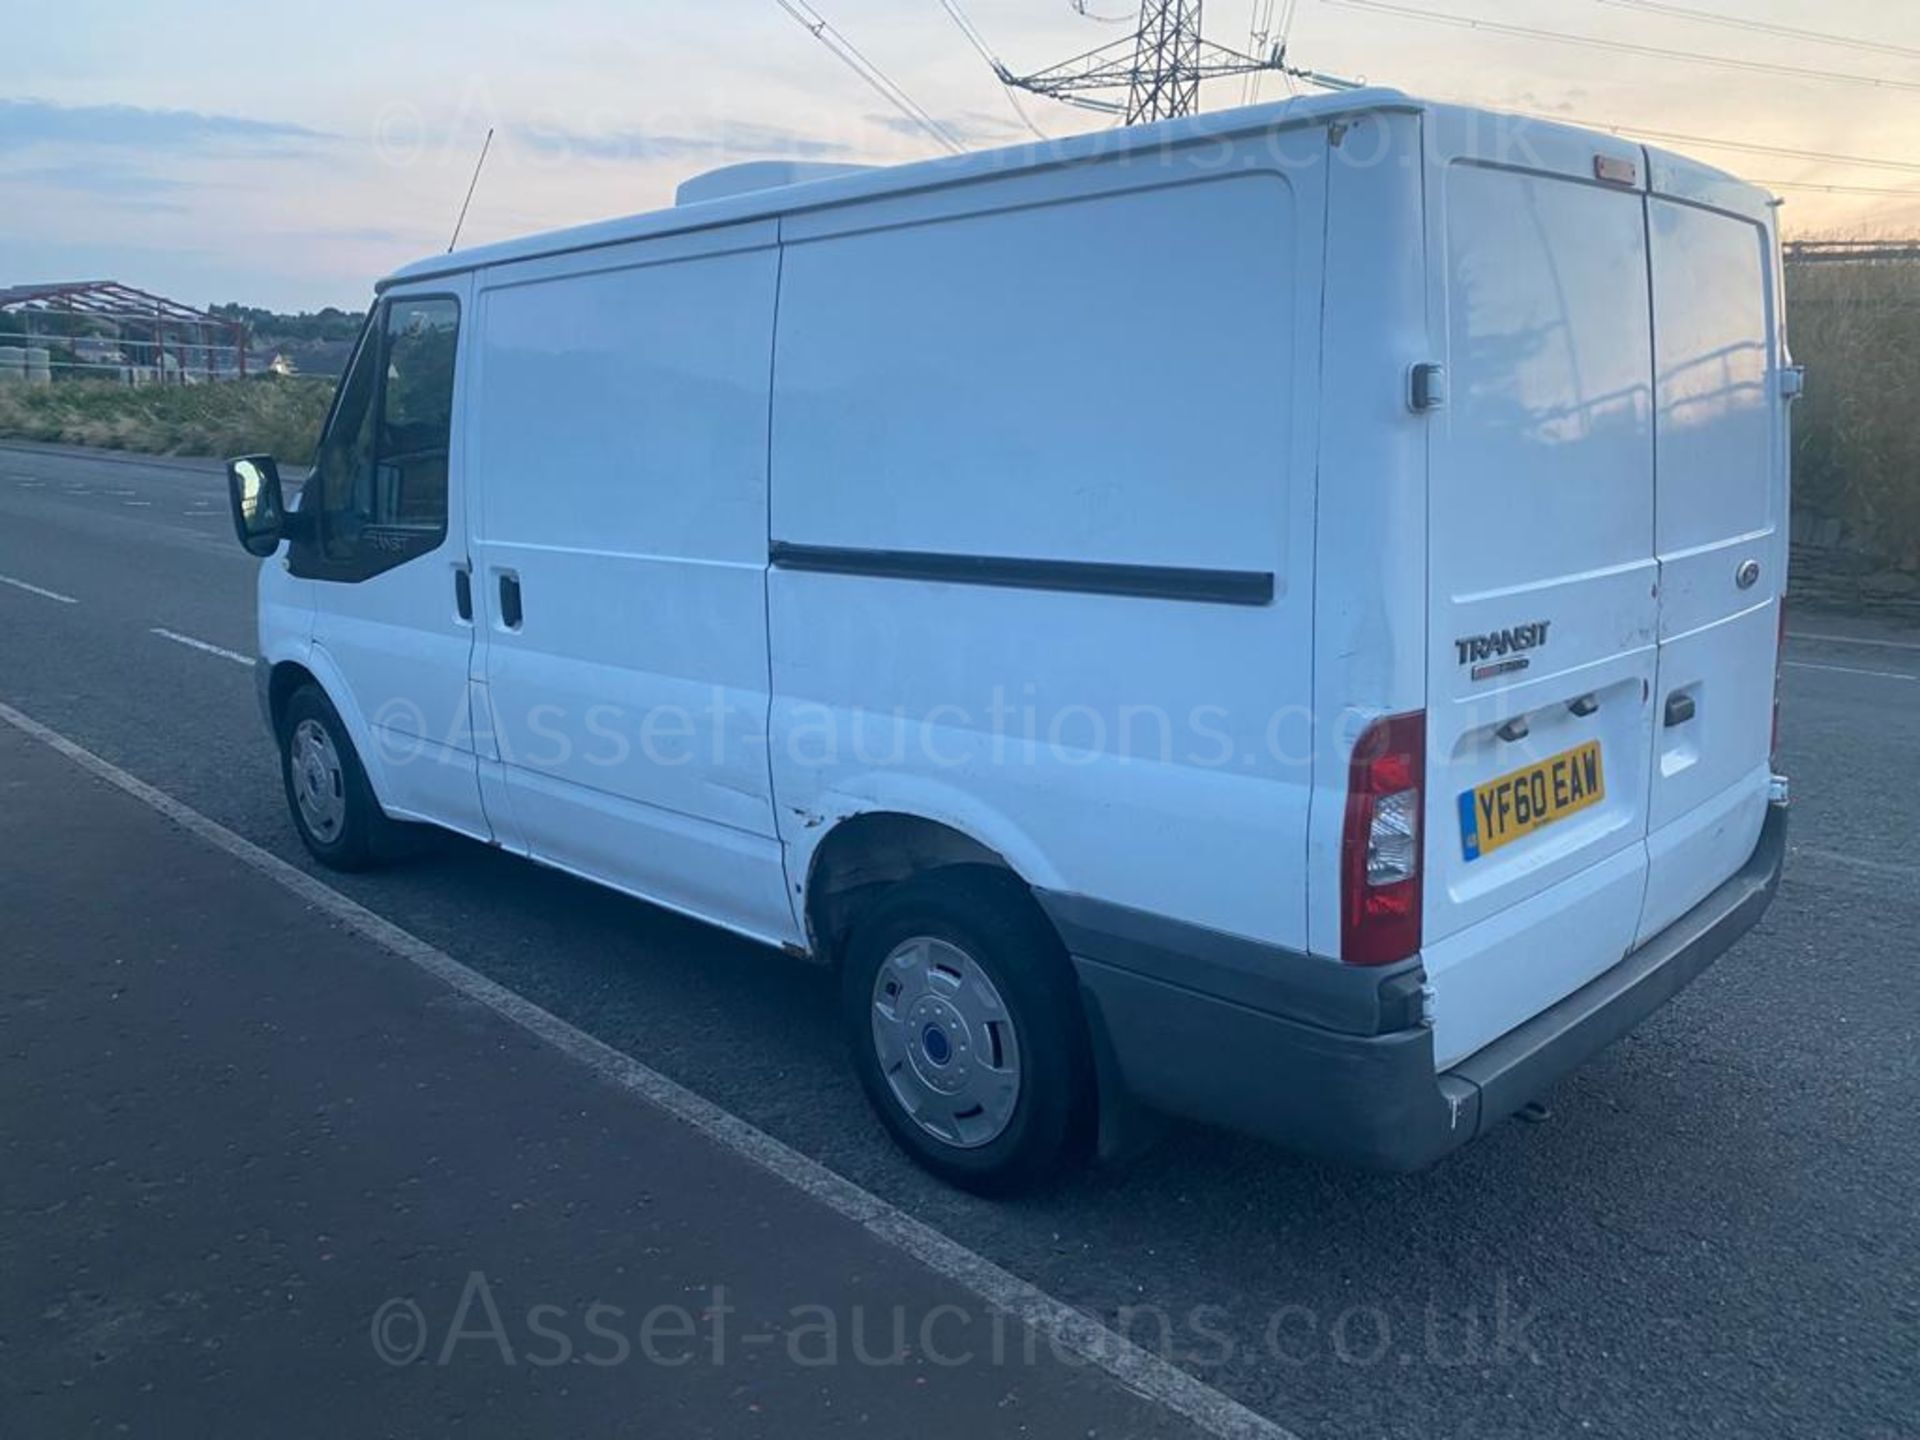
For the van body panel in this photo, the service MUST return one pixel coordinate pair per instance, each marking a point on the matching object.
(1370, 525)
(895, 361)
(621, 436)
(1523, 957)
(1679, 178)
(1114, 729)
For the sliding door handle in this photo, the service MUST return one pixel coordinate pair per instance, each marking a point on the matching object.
(510, 612)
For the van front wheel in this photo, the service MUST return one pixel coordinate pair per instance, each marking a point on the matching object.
(340, 822)
(965, 1028)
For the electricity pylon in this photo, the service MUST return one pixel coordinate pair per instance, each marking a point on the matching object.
(1158, 68)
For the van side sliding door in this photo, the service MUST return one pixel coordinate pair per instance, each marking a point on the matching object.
(619, 568)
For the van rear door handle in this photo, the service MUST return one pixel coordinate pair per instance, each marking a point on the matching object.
(1680, 709)
(510, 613)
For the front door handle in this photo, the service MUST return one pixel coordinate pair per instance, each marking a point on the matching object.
(1680, 709)
(463, 592)
(510, 612)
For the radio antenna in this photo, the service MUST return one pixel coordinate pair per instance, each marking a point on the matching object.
(485, 145)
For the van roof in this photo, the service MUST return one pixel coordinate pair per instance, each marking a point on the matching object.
(1668, 174)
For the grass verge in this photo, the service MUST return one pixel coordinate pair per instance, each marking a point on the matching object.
(273, 415)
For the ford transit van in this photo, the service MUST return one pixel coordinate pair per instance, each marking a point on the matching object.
(1271, 617)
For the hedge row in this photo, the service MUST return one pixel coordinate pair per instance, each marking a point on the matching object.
(275, 415)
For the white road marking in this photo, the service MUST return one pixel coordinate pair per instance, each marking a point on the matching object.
(1851, 670)
(189, 641)
(142, 503)
(1061, 1324)
(36, 590)
(1853, 640)
(1880, 868)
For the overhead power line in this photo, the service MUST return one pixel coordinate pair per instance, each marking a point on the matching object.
(1913, 194)
(1259, 32)
(1756, 147)
(1286, 21)
(1080, 9)
(985, 52)
(1280, 41)
(1765, 27)
(1623, 47)
(843, 50)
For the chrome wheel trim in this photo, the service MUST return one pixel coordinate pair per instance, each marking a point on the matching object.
(319, 781)
(946, 1042)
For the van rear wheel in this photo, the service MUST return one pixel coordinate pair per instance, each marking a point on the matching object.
(340, 822)
(965, 1028)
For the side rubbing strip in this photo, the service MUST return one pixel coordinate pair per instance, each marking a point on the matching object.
(1154, 582)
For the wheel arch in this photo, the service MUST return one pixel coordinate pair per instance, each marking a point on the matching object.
(316, 667)
(285, 677)
(865, 851)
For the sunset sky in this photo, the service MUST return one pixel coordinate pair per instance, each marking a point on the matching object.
(288, 155)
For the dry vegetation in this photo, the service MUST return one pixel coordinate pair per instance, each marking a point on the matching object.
(279, 416)
(1856, 327)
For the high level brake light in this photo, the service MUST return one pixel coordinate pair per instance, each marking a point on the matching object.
(1380, 846)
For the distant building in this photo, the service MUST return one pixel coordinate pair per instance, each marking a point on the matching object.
(103, 330)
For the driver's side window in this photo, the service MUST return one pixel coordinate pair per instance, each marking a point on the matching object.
(380, 478)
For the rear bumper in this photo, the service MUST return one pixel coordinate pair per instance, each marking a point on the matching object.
(1373, 1098)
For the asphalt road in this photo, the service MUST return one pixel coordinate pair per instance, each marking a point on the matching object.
(1715, 1234)
(226, 1156)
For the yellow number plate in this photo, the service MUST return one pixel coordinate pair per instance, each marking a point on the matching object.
(1501, 811)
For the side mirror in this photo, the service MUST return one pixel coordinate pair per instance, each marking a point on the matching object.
(259, 510)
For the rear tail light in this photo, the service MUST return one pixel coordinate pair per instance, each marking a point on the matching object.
(1380, 846)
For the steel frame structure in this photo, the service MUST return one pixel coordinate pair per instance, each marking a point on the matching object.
(200, 344)
(1152, 74)
(1812, 252)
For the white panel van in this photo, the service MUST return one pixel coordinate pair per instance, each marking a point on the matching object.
(1270, 618)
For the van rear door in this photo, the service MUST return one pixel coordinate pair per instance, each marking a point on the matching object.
(1720, 502)
(1542, 609)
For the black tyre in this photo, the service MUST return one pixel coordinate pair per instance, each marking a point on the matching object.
(333, 806)
(966, 1031)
